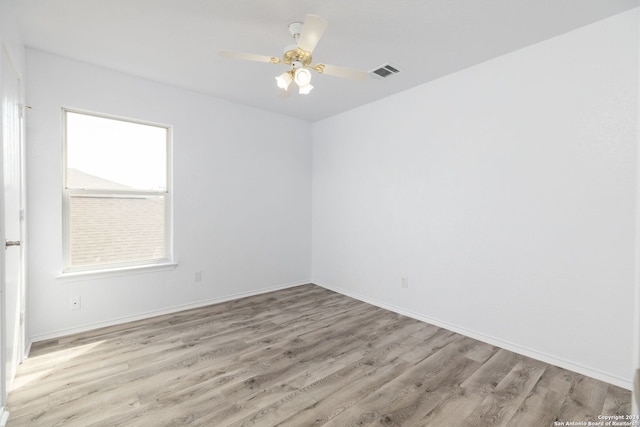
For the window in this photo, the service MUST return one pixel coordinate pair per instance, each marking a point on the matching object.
(117, 198)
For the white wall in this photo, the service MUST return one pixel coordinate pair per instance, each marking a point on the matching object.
(505, 193)
(9, 33)
(242, 201)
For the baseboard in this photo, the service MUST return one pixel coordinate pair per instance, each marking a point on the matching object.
(27, 349)
(168, 310)
(534, 354)
(4, 417)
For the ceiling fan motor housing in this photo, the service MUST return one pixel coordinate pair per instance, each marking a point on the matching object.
(295, 54)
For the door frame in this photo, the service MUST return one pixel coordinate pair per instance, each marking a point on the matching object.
(3, 374)
(21, 350)
(635, 401)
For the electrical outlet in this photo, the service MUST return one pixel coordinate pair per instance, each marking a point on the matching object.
(404, 283)
(75, 303)
(197, 276)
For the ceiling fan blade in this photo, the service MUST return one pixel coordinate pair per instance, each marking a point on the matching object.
(342, 72)
(312, 32)
(249, 56)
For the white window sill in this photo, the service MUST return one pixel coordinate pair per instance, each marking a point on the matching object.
(117, 271)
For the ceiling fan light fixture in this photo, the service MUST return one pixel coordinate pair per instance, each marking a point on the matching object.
(302, 77)
(298, 57)
(304, 90)
(284, 80)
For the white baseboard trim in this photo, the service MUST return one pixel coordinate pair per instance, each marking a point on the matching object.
(27, 350)
(168, 310)
(4, 417)
(625, 383)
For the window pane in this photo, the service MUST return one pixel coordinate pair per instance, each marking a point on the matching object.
(116, 229)
(105, 153)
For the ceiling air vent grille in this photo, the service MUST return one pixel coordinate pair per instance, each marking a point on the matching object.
(384, 71)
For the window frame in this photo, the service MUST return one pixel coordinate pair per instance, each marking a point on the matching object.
(68, 193)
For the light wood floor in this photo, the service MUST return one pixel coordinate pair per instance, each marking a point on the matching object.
(303, 356)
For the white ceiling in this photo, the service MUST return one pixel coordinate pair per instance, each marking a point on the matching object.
(177, 41)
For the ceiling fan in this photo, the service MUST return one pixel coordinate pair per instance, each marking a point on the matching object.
(298, 57)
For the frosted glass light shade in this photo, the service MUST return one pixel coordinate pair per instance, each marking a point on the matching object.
(304, 90)
(302, 77)
(284, 80)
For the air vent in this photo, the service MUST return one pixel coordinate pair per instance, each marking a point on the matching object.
(384, 71)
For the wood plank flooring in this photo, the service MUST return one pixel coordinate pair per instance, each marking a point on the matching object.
(303, 356)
